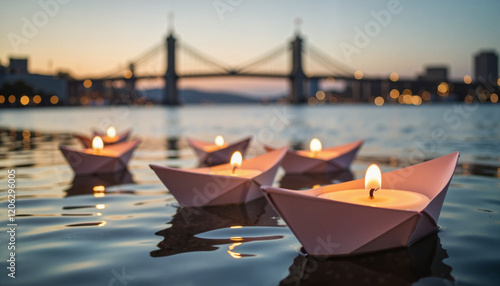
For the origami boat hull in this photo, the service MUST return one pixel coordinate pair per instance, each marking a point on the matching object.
(114, 158)
(294, 163)
(87, 141)
(197, 187)
(331, 228)
(220, 156)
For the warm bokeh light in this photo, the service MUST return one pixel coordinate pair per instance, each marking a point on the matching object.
(373, 177)
(394, 76)
(127, 74)
(97, 143)
(401, 99)
(12, 98)
(111, 132)
(467, 79)
(320, 95)
(416, 100)
(37, 99)
(315, 145)
(24, 100)
(443, 89)
(468, 99)
(407, 91)
(219, 141)
(407, 98)
(498, 81)
(54, 99)
(494, 98)
(87, 83)
(379, 101)
(2, 99)
(100, 206)
(26, 134)
(236, 160)
(312, 101)
(394, 93)
(426, 95)
(358, 74)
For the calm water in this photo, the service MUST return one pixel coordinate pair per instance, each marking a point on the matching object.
(136, 234)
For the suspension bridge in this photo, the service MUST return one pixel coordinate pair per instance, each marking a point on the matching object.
(285, 61)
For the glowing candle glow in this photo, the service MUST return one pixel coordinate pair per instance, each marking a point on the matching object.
(385, 198)
(315, 146)
(111, 132)
(236, 160)
(97, 144)
(219, 141)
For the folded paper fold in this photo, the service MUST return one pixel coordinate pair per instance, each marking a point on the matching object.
(211, 156)
(331, 228)
(339, 158)
(201, 187)
(112, 158)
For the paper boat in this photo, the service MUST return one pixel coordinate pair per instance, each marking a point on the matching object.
(87, 141)
(198, 187)
(336, 159)
(402, 266)
(308, 181)
(209, 155)
(328, 228)
(111, 159)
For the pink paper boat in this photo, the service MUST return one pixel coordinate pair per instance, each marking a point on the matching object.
(87, 141)
(110, 159)
(209, 155)
(331, 228)
(200, 187)
(336, 159)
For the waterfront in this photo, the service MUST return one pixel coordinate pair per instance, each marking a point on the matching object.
(136, 231)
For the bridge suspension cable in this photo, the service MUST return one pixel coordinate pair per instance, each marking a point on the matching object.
(263, 59)
(203, 58)
(328, 62)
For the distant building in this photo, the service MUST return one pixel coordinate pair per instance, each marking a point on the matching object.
(486, 66)
(18, 66)
(436, 74)
(18, 71)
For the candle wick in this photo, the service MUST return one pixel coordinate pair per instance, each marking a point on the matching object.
(234, 169)
(371, 193)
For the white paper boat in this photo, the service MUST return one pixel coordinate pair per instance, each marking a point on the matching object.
(335, 159)
(87, 141)
(110, 159)
(210, 155)
(328, 228)
(199, 187)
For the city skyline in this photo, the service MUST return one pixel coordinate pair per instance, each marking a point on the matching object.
(389, 36)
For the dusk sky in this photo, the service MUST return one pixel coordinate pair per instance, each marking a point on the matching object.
(92, 38)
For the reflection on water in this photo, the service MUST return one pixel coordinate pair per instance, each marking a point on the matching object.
(188, 222)
(92, 227)
(402, 266)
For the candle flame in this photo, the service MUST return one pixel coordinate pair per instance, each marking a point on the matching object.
(236, 160)
(373, 177)
(315, 145)
(97, 143)
(111, 132)
(219, 141)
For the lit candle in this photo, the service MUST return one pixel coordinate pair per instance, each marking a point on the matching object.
(97, 144)
(316, 151)
(219, 141)
(373, 195)
(219, 144)
(111, 132)
(235, 168)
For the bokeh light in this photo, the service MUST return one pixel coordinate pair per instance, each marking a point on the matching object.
(358, 74)
(394, 93)
(379, 101)
(467, 79)
(394, 76)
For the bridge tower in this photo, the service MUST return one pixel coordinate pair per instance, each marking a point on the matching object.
(130, 79)
(297, 76)
(171, 93)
